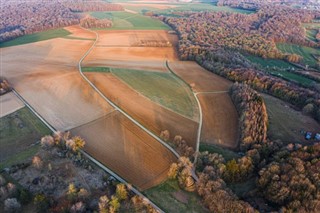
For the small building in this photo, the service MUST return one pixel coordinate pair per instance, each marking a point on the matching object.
(317, 136)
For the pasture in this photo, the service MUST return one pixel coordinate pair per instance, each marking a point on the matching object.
(305, 52)
(126, 21)
(41, 36)
(200, 7)
(267, 64)
(286, 123)
(18, 131)
(311, 34)
(293, 77)
(127, 150)
(162, 88)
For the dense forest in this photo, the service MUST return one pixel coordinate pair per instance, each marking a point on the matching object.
(217, 41)
(27, 17)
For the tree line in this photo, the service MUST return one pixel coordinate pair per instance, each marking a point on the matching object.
(27, 17)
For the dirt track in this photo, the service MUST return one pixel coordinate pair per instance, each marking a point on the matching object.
(139, 158)
(149, 114)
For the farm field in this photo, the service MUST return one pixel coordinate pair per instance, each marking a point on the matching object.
(305, 52)
(162, 88)
(171, 198)
(311, 34)
(293, 77)
(123, 49)
(269, 63)
(57, 91)
(125, 21)
(18, 131)
(142, 8)
(196, 7)
(220, 120)
(200, 79)
(9, 103)
(78, 32)
(46, 35)
(151, 115)
(126, 149)
(286, 123)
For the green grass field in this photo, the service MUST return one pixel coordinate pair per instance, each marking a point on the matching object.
(46, 35)
(278, 68)
(312, 25)
(128, 21)
(269, 63)
(293, 77)
(311, 34)
(166, 197)
(305, 52)
(162, 88)
(17, 132)
(96, 69)
(200, 7)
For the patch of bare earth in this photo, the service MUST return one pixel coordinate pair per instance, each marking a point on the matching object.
(151, 115)
(77, 31)
(220, 120)
(126, 149)
(9, 103)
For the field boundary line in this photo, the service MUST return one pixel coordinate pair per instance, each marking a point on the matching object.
(114, 105)
(200, 111)
(106, 169)
(139, 93)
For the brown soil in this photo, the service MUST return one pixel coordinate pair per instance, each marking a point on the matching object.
(151, 115)
(127, 150)
(201, 79)
(220, 120)
(50, 82)
(9, 103)
(77, 31)
(121, 49)
(131, 38)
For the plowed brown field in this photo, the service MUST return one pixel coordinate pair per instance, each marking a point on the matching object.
(149, 114)
(201, 79)
(45, 74)
(123, 49)
(220, 120)
(126, 149)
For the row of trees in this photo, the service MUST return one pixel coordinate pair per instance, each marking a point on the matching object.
(26, 17)
(91, 22)
(253, 115)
